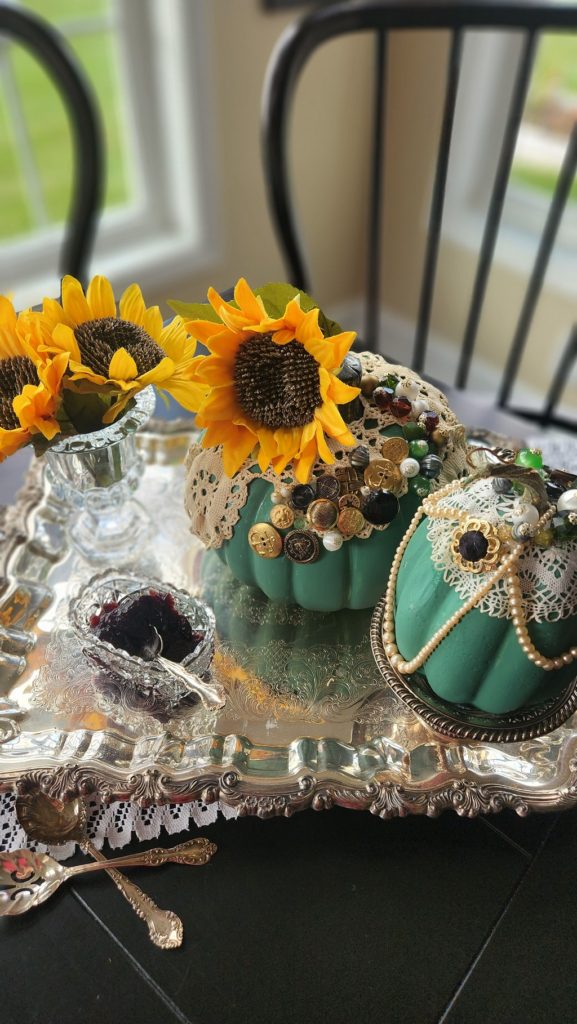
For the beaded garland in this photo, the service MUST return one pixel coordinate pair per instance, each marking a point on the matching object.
(482, 547)
(335, 507)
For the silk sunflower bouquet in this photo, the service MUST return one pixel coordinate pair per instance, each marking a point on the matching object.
(313, 458)
(79, 363)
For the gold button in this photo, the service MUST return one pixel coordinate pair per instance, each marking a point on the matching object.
(395, 449)
(382, 475)
(264, 539)
(351, 522)
(349, 479)
(322, 514)
(349, 501)
(282, 516)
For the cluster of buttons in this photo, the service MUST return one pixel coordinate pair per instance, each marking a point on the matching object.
(562, 493)
(337, 506)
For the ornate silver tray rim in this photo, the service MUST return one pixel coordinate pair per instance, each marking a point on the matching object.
(82, 763)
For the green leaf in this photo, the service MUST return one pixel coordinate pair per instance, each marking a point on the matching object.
(277, 294)
(194, 310)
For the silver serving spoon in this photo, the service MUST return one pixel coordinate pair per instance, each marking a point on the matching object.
(55, 822)
(213, 695)
(28, 879)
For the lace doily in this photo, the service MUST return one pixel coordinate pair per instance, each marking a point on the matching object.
(214, 501)
(117, 823)
(548, 576)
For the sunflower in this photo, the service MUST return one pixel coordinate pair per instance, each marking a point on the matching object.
(29, 387)
(116, 353)
(270, 384)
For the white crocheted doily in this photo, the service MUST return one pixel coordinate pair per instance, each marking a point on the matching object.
(548, 576)
(214, 502)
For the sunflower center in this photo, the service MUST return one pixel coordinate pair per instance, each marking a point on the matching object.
(98, 340)
(276, 385)
(15, 373)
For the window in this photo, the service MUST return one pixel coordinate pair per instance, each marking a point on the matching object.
(147, 63)
(489, 69)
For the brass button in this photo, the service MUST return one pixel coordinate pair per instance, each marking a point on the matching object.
(395, 449)
(328, 487)
(322, 514)
(351, 522)
(302, 546)
(282, 516)
(382, 474)
(349, 478)
(349, 501)
(264, 539)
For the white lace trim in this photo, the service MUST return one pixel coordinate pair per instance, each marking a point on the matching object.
(548, 576)
(214, 501)
(117, 823)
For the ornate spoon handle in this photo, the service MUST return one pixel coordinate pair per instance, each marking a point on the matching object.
(164, 927)
(195, 851)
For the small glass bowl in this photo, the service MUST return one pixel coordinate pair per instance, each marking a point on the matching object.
(151, 681)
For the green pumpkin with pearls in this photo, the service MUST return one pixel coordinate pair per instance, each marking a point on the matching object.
(517, 646)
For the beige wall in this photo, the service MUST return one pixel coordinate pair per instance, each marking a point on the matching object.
(328, 157)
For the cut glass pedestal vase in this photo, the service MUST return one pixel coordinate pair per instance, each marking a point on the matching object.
(96, 475)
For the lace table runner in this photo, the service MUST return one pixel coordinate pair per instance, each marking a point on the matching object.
(119, 822)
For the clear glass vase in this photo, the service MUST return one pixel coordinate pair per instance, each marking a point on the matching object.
(95, 476)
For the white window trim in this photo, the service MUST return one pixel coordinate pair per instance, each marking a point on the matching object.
(160, 236)
(489, 67)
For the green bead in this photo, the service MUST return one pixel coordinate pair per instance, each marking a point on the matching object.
(390, 381)
(529, 457)
(544, 538)
(413, 431)
(300, 523)
(418, 449)
(420, 485)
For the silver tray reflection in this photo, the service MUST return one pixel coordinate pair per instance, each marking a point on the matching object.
(308, 722)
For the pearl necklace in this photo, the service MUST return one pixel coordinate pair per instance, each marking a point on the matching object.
(508, 568)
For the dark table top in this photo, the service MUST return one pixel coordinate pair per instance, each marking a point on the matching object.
(326, 917)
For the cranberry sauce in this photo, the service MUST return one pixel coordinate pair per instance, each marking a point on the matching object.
(147, 625)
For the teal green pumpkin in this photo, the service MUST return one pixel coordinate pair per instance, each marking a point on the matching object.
(480, 662)
(355, 576)
(223, 510)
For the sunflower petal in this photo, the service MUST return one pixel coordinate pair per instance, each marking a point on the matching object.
(251, 305)
(63, 340)
(74, 302)
(100, 297)
(122, 366)
(160, 374)
(340, 392)
(203, 330)
(12, 440)
(305, 462)
(132, 306)
(237, 449)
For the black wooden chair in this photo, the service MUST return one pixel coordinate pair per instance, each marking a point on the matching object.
(383, 16)
(52, 51)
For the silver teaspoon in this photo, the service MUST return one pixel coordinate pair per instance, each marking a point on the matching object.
(28, 879)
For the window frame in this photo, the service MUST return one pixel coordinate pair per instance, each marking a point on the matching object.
(164, 62)
(491, 58)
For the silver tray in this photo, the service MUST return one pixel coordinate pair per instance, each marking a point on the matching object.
(309, 720)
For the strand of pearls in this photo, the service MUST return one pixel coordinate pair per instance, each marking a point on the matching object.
(507, 568)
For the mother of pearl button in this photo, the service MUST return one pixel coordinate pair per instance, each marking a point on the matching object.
(407, 389)
(568, 501)
(409, 467)
(526, 514)
(332, 540)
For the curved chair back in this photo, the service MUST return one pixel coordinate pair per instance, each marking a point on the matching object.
(381, 17)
